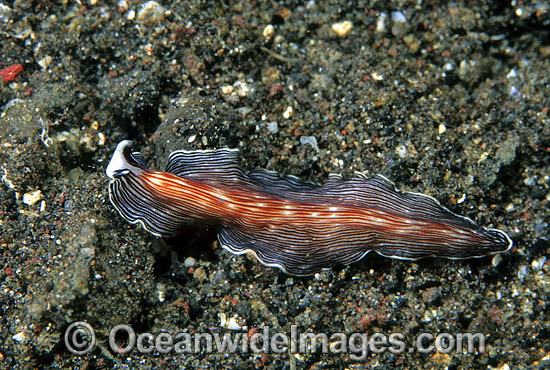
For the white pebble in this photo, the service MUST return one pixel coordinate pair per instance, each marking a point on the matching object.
(189, 262)
(448, 67)
(272, 127)
(377, 77)
(342, 28)
(20, 337)
(398, 17)
(45, 62)
(241, 88)
(101, 139)
(381, 23)
(231, 324)
(483, 157)
(32, 198)
(269, 30)
(227, 89)
(288, 112)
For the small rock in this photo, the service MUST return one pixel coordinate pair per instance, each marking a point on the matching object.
(20, 337)
(268, 32)
(200, 274)
(189, 262)
(241, 88)
(381, 23)
(342, 29)
(431, 295)
(233, 323)
(273, 127)
(32, 198)
(150, 12)
(288, 112)
(227, 89)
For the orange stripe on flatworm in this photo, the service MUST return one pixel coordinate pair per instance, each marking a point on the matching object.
(298, 227)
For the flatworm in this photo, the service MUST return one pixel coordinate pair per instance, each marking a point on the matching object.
(298, 227)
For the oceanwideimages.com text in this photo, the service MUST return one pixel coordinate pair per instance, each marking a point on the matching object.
(80, 339)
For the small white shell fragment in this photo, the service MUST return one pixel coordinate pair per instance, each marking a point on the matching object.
(32, 198)
(45, 62)
(101, 139)
(241, 88)
(288, 112)
(192, 138)
(442, 129)
(223, 318)
(268, 32)
(20, 337)
(461, 199)
(231, 324)
(448, 67)
(227, 89)
(342, 28)
(381, 23)
(483, 157)
(398, 17)
(377, 77)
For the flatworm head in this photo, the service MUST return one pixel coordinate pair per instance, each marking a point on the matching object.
(298, 227)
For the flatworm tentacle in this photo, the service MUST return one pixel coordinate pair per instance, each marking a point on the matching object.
(286, 223)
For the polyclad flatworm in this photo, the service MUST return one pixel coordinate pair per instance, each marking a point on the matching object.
(298, 227)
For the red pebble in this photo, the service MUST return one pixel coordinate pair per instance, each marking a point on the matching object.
(10, 73)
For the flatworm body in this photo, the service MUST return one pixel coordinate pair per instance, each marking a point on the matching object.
(298, 227)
